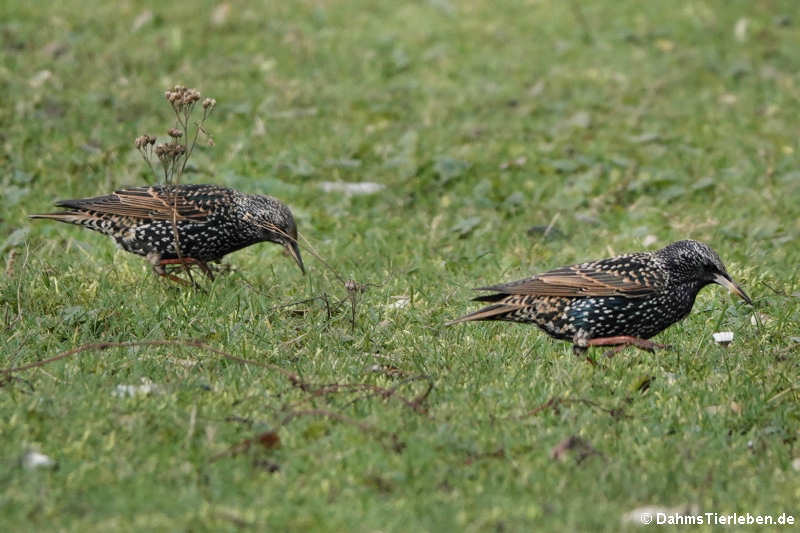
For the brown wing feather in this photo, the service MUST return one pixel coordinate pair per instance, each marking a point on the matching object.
(603, 278)
(492, 312)
(151, 202)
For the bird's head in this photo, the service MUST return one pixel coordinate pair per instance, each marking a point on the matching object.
(697, 262)
(276, 224)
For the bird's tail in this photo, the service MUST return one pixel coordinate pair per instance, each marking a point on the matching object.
(492, 312)
(65, 216)
(80, 218)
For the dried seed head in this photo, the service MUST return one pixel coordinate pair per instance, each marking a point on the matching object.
(189, 96)
(141, 141)
(175, 133)
(209, 103)
(161, 150)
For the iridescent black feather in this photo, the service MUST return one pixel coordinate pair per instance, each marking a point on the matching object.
(632, 296)
(211, 221)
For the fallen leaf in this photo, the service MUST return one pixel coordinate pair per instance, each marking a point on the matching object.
(360, 188)
(448, 168)
(465, 226)
(268, 440)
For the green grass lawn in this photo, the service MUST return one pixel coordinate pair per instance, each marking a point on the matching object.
(624, 125)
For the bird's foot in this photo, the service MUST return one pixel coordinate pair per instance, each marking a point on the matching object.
(623, 341)
(580, 350)
(161, 271)
(185, 262)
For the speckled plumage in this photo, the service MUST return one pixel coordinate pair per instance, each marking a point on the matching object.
(211, 222)
(617, 301)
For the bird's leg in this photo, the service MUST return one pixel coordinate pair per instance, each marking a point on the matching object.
(189, 261)
(615, 350)
(624, 341)
(206, 269)
(161, 271)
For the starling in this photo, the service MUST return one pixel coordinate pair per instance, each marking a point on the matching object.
(206, 221)
(621, 301)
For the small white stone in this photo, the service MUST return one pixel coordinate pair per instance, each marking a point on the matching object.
(129, 391)
(32, 460)
(723, 337)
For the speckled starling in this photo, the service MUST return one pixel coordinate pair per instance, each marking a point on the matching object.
(620, 301)
(210, 221)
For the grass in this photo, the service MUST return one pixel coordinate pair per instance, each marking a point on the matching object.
(651, 123)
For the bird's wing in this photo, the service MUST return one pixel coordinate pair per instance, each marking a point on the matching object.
(630, 276)
(154, 203)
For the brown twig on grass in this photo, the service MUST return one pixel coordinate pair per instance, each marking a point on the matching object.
(295, 380)
(556, 401)
(99, 346)
(395, 443)
(374, 390)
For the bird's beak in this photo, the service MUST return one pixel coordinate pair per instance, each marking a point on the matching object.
(733, 287)
(294, 251)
